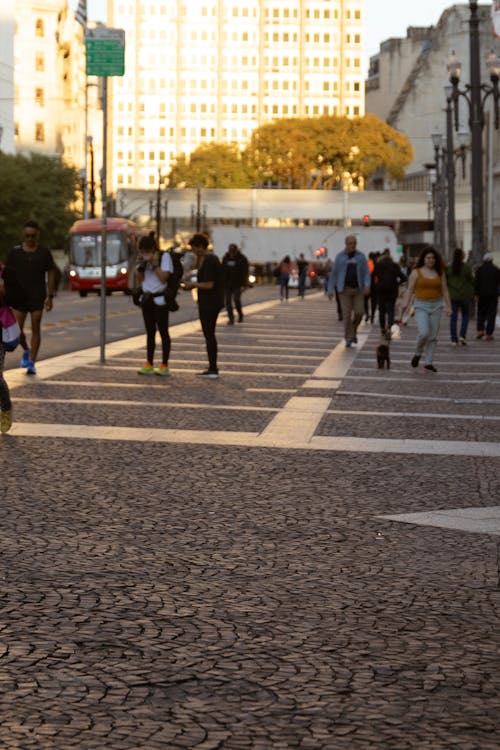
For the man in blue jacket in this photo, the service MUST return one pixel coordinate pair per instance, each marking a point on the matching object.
(350, 275)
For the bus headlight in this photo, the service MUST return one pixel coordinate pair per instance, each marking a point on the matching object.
(73, 273)
(252, 279)
(123, 271)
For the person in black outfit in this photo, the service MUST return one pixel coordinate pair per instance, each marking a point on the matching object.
(388, 276)
(210, 286)
(26, 268)
(302, 266)
(235, 267)
(486, 289)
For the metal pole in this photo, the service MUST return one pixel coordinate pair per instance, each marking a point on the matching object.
(198, 207)
(158, 210)
(85, 162)
(92, 178)
(450, 177)
(438, 201)
(104, 229)
(490, 201)
(476, 128)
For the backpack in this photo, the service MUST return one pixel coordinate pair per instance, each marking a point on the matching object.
(175, 277)
(173, 282)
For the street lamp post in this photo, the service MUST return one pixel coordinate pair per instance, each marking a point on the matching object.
(475, 94)
(444, 173)
(450, 173)
(438, 182)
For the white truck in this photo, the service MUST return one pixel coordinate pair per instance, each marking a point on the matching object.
(270, 244)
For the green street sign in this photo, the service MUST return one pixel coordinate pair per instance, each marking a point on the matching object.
(105, 51)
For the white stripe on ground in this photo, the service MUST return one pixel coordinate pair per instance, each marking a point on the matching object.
(280, 441)
(476, 520)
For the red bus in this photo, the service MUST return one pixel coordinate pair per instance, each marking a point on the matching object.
(85, 255)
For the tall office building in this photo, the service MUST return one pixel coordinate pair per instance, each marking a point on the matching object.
(7, 25)
(198, 71)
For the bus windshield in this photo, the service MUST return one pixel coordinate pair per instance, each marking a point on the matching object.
(86, 249)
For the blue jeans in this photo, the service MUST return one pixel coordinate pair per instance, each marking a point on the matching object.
(284, 285)
(428, 317)
(459, 306)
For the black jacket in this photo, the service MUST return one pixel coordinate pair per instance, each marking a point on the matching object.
(235, 270)
(487, 280)
(388, 277)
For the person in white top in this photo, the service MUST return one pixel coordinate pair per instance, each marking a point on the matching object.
(152, 273)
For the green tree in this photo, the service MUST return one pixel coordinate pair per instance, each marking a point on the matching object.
(212, 165)
(36, 187)
(311, 152)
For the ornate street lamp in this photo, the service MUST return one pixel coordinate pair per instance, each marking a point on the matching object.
(475, 94)
(445, 157)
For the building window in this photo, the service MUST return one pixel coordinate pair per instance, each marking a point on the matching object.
(39, 62)
(39, 30)
(39, 132)
(39, 97)
(355, 111)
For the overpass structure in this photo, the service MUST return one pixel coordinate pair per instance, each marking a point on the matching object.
(252, 205)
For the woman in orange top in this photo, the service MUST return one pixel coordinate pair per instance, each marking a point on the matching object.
(427, 283)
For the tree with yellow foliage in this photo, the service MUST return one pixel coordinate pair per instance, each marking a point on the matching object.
(309, 152)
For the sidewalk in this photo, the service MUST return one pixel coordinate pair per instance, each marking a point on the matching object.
(303, 554)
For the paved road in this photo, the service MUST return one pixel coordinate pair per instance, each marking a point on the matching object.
(233, 565)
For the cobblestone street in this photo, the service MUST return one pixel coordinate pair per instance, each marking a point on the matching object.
(211, 565)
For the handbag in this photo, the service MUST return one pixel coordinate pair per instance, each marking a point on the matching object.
(11, 332)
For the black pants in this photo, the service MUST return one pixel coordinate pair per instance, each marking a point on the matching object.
(156, 317)
(487, 313)
(386, 304)
(233, 295)
(208, 320)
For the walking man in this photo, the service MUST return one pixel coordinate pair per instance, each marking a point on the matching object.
(388, 276)
(486, 288)
(210, 288)
(235, 267)
(27, 267)
(350, 275)
(302, 266)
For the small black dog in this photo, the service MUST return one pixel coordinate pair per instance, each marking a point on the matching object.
(383, 352)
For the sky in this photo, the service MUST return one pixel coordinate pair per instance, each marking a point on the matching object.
(383, 18)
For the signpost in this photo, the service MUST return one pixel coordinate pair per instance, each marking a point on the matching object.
(105, 56)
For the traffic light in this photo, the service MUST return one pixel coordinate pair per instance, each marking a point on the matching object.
(366, 220)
